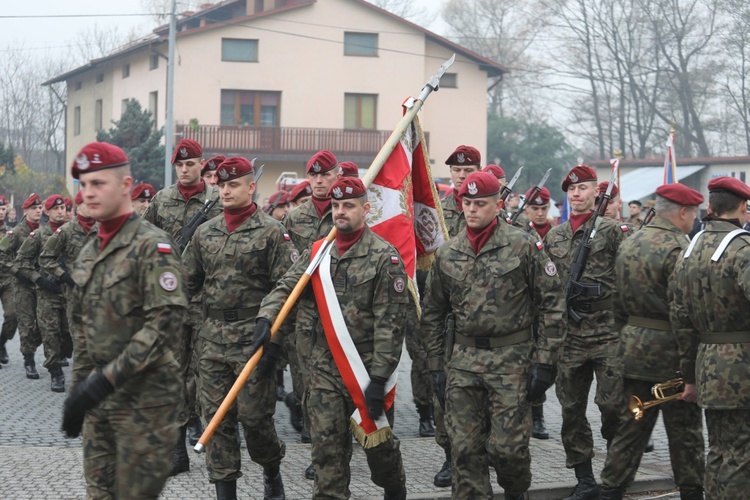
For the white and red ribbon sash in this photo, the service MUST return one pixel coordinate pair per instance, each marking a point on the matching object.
(348, 361)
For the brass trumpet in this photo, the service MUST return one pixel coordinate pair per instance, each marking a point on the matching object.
(637, 407)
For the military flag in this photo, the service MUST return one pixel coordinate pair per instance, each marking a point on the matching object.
(670, 161)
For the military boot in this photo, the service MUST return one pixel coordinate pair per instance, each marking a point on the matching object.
(305, 437)
(280, 392)
(691, 494)
(444, 478)
(3, 351)
(226, 490)
(586, 489)
(180, 459)
(310, 472)
(30, 366)
(273, 486)
(295, 411)
(57, 379)
(399, 494)
(538, 429)
(426, 428)
(520, 496)
(194, 430)
(612, 493)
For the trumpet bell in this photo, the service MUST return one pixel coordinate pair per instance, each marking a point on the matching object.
(636, 407)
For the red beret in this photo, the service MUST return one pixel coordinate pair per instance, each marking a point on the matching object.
(464, 155)
(347, 188)
(3, 201)
(278, 198)
(68, 203)
(540, 199)
(579, 173)
(98, 156)
(53, 201)
(603, 189)
(144, 191)
(233, 168)
(479, 185)
(495, 170)
(730, 185)
(79, 197)
(301, 190)
(212, 163)
(680, 193)
(186, 149)
(32, 200)
(349, 169)
(321, 162)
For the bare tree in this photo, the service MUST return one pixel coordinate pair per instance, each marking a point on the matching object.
(736, 81)
(408, 10)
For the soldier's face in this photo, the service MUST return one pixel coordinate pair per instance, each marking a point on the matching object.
(479, 212)
(83, 210)
(211, 177)
(56, 214)
(537, 214)
(634, 209)
(188, 171)
(34, 213)
(140, 205)
(613, 209)
(237, 193)
(106, 193)
(321, 183)
(460, 173)
(581, 197)
(349, 215)
(3, 210)
(279, 212)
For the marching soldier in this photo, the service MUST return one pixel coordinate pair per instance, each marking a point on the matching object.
(589, 348)
(10, 320)
(130, 297)
(709, 317)
(349, 169)
(300, 193)
(362, 283)
(141, 197)
(635, 208)
(648, 348)
(463, 161)
(208, 171)
(235, 259)
(278, 205)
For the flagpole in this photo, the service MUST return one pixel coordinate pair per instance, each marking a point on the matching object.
(432, 85)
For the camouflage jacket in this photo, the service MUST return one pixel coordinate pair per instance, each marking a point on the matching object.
(9, 246)
(455, 222)
(305, 227)
(27, 258)
(370, 284)
(6, 276)
(170, 212)
(499, 292)
(62, 248)
(127, 315)
(236, 270)
(561, 245)
(643, 270)
(709, 300)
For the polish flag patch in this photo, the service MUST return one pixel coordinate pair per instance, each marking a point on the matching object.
(58, 230)
(286, 237)
(624, 228)
(394, 259)
(539, 245)
(164, 247)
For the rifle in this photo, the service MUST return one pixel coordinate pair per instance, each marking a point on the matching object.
(196, 220)
(574, 288)
(535, 191)
(508, 188)
(650, 214)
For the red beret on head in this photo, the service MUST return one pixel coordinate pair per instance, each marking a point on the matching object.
(301, 190)
(98, 156)
(464, 155)
(186, 149)
(79, 197)
(32, 200)
(495, 170)
(479, 185)
(540, 199)
(144, 191)
(602, 187)
(321, 162)
(68, 203)
(233, 168)
(212, 163)
(278, 198)
(579, 173)
(54, 200)
(680, 193)
(729, 185)
(349, 169)
(347, 188)
(3, 201)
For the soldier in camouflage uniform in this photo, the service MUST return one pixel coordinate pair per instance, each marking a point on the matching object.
(648, 349)
(235, 259)
(130, 297)
(711, 297)
(208, 171)
(141, 197)
(171, 209)
(495, 281)
(10, 320)
(300, 193)
(370, 286)
(50, 306)
(24, 291)
(589, 348)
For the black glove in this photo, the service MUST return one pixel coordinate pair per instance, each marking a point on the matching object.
(261, 336)
(23, 278)
(267, 363)
(68, 280)
(49, 284)
(375, 396)
(84, 397)
(540, 379)
(438, 385)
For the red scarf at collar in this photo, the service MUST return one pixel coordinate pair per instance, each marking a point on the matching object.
(478, 237)
(55, 226)
(190, 191)
(109, 228)
(32, 225)
(459, 200)
(86, 222)
(345, 240)
(578, 220)
(543, 230)
(321, 206)
(234, 217)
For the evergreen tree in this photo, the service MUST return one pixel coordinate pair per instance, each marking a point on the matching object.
(7, 158)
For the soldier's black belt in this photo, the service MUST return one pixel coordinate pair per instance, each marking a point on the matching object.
(654, 324)
(725, 337)
(493, 342)
(231, 315)
(589, 307)
(362, 348)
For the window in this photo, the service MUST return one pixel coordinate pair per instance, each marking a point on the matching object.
(99, 77)
(126, 70)
(360, 44)
(360, 111)
(78, 86)
(449, 81)
(123, 106)
(98, 114)
(250, 107)
(77, 120)
(239, 50)
(153, 62)
(153, 105)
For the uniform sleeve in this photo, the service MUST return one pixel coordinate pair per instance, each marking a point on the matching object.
(193, 261)
(7, 253)
(150, 213)
(26, 257)
(274, 301)
(51, 251)
(280, 259)
(686, 335)
(436, 307)
(82, 364)
(550, 305)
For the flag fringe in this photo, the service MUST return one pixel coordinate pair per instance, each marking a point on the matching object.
(367, 441)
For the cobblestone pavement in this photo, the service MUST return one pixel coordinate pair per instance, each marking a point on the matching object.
(37, 462)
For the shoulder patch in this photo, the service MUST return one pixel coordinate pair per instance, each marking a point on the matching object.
(531, 224)
(287, 237)
(168, 281)
(164, 248)
(624, 228)
(539, 245)
(31, 234)
(59, 229)
(399, 285)
(394, 259)
(550, 268)
(295, 255)
(9, 232)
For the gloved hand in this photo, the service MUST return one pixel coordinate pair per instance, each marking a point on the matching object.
(49, 284)
(68, 280)
(375, 396)
(267, 363)
(540, 379)
(438, 385)
(23, 278)
(84, 397)
(261, 336)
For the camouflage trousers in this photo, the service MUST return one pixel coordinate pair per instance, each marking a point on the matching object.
(28, 330)
(290, 355)
(489, 422)
(684, 424)
(218, 368)
(579, 359)
(330, 407)
(188, 359)
(127, 453)
(304, 348)
(728, 465)
(53, 326)
(10, 320)
(421, 380)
